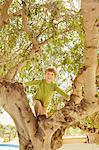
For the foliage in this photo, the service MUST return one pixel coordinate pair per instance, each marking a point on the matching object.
(46, 20)
(92, 121)
(7, 132)
(74, 131)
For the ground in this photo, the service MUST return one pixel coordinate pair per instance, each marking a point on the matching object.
(79, 147)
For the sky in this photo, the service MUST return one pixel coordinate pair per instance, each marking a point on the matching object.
(5, 119)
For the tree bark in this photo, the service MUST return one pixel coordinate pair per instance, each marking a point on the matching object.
(93, 138)
(4, 13)
(90, 15)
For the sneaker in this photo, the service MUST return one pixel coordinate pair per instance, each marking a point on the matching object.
(41, 117)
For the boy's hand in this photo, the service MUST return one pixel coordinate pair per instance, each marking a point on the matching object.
(62, 98)
(24, 86)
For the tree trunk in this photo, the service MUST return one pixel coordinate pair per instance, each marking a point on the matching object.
(93, 138)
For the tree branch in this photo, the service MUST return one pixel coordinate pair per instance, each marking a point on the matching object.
(10, 75)
(4, 12)
(25, 24)
(90, 52)
(47, 40)
(35, 44)
(17, 13)
(19, 109)
(43, 30)
(97, 72)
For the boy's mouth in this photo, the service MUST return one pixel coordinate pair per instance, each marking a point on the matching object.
(48, 78)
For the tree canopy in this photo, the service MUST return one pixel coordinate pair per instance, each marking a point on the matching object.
(54, 26)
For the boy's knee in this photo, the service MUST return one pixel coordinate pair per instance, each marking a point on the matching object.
(37, 102)
(37, 105)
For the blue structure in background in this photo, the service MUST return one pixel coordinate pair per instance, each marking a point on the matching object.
(9, 147)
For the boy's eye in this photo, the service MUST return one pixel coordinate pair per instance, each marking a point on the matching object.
(50, 74)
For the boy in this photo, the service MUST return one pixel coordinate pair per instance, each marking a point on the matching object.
(46, 89)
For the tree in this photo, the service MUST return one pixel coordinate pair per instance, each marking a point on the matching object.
(31, 31)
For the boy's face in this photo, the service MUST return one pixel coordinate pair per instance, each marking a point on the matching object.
(49, 76)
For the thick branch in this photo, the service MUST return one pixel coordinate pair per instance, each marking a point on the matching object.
(13, 99)
(10, 75)
(84, 90)
(4, 12)
(90, 10)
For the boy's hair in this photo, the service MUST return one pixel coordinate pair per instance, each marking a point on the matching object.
(51, 69)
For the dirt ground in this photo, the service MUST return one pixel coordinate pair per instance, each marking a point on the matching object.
(79, 147)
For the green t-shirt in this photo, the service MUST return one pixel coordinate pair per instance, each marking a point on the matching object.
(45, 90)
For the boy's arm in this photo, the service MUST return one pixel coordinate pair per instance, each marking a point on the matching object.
(60, 91)
(33, 82)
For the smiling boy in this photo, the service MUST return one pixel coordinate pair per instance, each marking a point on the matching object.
(45, 91)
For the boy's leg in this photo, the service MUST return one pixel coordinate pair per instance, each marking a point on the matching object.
(37, 108)
(43, 114)
(44, 111)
